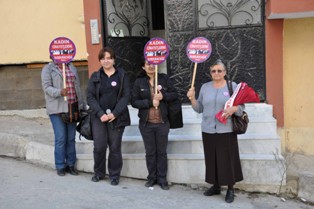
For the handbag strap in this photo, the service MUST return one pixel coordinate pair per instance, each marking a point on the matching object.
(229, 84)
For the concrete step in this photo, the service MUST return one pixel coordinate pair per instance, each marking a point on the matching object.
(259, 170)
(191, 144)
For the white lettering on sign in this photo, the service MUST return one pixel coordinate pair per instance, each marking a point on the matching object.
(157, 42)
(62, 46)
(151, 48)
(199, 41)
(61, 42)
(199, 46)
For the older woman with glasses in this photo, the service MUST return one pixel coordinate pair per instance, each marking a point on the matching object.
(221, 150)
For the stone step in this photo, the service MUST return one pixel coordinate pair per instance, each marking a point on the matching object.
(248, 144)
(259, 170)
(260, 116)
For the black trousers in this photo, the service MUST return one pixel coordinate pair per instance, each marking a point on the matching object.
(155, 137)
(105, 135)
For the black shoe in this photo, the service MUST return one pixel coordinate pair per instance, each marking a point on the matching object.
(96, 178)
(150, 183)
(212, 191)
(229, 196)
(61, 172)
(164, 186)
(71, 170)
(114, 182)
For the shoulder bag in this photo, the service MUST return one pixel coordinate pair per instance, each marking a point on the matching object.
(240, 123)
(84, 127)
(73, 115)
(175, 114)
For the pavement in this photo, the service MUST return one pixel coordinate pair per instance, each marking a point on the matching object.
(34, 185)
(30, 186)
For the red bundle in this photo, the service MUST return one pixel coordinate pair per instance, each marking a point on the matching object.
(242, 94)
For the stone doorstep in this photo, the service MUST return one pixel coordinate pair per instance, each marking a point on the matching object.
(248, 144)
(257, 171)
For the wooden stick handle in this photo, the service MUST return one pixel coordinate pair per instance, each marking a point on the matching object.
(64, 79)
(156, 81)
(194, 75)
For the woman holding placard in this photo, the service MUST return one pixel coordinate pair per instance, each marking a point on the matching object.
(153, 124)
(57, 107)
(221, 150)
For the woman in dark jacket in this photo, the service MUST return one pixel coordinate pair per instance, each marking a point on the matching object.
(108, 96)
(154, 125)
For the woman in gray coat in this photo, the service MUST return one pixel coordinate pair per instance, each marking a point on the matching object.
(221, 150)
(64, 132)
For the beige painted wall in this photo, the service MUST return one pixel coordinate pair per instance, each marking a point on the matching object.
(298, 65)
(28, 27)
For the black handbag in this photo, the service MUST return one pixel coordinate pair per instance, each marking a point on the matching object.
(85, 127)
(175, 114)
(240, 123)
(73, 114)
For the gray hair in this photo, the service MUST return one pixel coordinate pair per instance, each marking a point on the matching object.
(219, 62)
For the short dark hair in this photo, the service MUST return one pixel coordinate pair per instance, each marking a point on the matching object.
(108, 49)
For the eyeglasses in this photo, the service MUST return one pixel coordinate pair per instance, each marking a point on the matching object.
(214, 71)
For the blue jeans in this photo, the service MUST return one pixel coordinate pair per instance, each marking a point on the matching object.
(65, 153)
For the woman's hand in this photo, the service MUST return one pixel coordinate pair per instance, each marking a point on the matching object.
(64, 92)
(230, 111)
(104, 118)
(111, 117)
(158, 96)
(191, 94)
(156, 103)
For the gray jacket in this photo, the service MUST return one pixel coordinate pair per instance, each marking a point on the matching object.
(52, 83)
(210, 101)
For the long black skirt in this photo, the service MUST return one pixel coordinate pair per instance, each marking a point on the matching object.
(222, 159)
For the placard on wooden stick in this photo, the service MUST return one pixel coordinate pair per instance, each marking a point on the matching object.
(62, 50)
(198, 50)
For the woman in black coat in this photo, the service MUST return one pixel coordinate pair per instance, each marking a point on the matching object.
(153, 124)
(108, 96)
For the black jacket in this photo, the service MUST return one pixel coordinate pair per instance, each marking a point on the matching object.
(141, 95)
(120, 111)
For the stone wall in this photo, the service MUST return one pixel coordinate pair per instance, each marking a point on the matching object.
(20, 87)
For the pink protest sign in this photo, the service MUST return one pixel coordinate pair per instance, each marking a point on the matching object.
(156, 51)
(199, 49)
(62, 50)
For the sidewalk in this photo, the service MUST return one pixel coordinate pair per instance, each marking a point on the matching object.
(40, 187)
(28, 186)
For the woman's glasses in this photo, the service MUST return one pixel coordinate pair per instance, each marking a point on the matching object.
(214, 71)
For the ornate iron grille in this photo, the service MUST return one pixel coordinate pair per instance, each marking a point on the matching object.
(235, 29)
(126, 18)
(226, 13)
